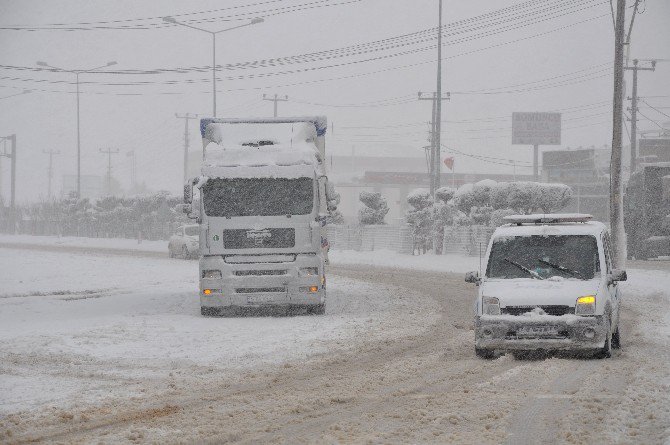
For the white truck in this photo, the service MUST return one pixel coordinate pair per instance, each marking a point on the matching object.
(264, 199)
(549, 285)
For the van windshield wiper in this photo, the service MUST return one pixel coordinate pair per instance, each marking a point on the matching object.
(574, 273)
(532, 273)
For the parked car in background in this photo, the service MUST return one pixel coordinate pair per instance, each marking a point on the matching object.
(549, 285)
(185, 242)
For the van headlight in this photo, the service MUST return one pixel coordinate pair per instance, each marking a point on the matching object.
(490, 306)
(586, 305)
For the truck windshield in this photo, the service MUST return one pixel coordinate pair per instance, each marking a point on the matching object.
(258, 196)
(538, 256)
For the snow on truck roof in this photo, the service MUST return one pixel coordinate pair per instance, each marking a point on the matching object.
(320, 123)
(550, 224)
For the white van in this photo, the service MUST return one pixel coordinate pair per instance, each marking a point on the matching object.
(548, 285)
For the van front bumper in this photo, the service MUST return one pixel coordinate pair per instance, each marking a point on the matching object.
(566, 332)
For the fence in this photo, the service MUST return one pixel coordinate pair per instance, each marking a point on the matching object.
(367, 238)
(466, 239)
(457, 239)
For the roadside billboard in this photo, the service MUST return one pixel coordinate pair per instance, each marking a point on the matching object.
(537, 128)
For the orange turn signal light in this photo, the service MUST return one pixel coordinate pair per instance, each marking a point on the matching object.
(313, 289)
(207, 291)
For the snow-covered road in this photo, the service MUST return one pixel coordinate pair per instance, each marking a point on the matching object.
(106, 348)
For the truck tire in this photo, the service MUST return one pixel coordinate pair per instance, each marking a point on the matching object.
(208, 311)
(319, 309)
(486, 354)
(616, 339)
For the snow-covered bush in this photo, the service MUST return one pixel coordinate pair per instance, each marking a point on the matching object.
(498, 215)
(334, 215)
(553, 197)
(481, 215)
(375, 208)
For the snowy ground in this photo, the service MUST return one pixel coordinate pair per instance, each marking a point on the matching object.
(137, 319)
(111, 348)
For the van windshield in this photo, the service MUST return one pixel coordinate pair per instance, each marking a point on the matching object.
(540, 257)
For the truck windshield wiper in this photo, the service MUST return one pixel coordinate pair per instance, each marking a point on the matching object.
(574, 273)
(532, 273)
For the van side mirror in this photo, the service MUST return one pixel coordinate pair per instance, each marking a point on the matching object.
(616, 276)
(472, 277)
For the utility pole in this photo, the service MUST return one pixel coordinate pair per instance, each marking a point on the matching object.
(186, 118)
(51, 154)
(109, 152)
(435, 147)
(275, 99)
(133, 171)
(616, 185)
(633, 110)
(12, 201)
(438, 108)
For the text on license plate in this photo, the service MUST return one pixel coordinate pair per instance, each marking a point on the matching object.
(536, 331)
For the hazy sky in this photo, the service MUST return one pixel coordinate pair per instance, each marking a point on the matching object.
(545, 55)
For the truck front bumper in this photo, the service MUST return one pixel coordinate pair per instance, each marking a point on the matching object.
(571, 333)
(266, 286)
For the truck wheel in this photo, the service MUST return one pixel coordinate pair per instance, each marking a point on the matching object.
(319, 309)
(208, 311)
(616, 339)
(486, 354)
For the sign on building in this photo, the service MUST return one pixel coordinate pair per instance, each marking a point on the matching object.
(536, 128)
(654, 150)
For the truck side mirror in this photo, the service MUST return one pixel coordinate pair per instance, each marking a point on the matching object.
(616, 276)
(188, 194)
(472, 277)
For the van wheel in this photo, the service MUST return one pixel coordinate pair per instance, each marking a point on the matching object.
(606, 351)
(616, 339)
(486, 354)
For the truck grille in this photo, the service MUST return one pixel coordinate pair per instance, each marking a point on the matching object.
(252, 239)
(256, 290)
(246, 273)
(550, 310)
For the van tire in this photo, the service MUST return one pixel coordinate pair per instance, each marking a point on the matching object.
(486, 354)
(606, 351)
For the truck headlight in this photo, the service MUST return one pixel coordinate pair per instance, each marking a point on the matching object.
(490, 306)
(211, 274)
(586, 305)
(308, 271)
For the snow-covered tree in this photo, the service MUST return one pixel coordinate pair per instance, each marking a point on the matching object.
(420, 218)
(334, 214)
(375, 208)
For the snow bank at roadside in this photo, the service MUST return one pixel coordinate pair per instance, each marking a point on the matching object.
(75, 241)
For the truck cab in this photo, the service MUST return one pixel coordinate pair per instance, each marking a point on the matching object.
(549, 285)
(262, 211)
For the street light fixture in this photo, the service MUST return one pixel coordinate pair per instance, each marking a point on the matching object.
(172, 21)
(76, 73)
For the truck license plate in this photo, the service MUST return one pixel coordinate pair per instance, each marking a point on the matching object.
(536, 331)
(260, 299)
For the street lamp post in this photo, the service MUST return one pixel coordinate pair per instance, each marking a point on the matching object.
(77, 73)
(172, 21)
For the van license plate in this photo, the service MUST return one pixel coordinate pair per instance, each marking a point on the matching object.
(537, 331)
